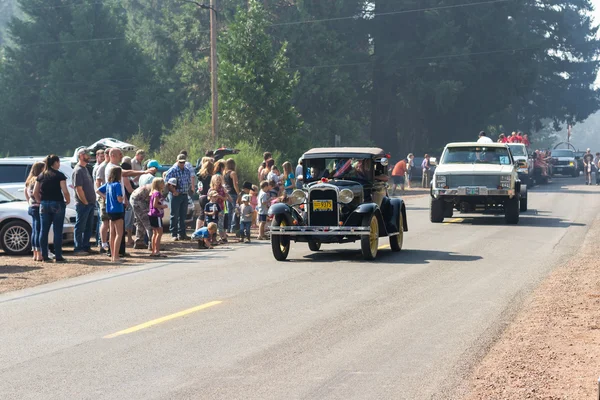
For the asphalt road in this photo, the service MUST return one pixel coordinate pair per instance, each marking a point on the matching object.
(323, 326)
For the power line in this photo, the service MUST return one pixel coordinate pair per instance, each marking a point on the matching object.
(393, 12)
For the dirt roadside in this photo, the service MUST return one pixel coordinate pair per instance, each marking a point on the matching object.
(551, 350)
(22, 272)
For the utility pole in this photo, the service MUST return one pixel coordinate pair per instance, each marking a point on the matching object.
(213, 63)
(213, 70)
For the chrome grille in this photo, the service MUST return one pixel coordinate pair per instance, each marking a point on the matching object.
(489, 181)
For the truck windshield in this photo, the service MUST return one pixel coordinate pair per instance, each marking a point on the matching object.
(476, 155)
(518, 150)
(337, 168)
(563, 153)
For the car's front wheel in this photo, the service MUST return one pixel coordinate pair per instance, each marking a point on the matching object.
(280, 244)
(369, 244)
(15, 238)
(396, 241)
(511, 211)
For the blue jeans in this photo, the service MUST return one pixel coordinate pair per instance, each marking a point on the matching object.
(233, 218)
(84, 223)
(52, 213)
(98, 223)
(245, 229)
(35, 228)
(179, 205)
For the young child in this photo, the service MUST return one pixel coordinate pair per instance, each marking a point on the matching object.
(263, 209)
(156, 213)
(212, 210)
(254, 204)
(216, 184)
(112, 192)
(246, 212)
(204, 236)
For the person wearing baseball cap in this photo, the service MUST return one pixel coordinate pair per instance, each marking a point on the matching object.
(246, 211)
(180, 179)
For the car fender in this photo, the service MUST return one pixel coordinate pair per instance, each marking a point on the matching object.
(356, 217)
(399, 207)
(282, 209)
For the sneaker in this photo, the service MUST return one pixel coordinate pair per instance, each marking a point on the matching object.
(248, 239)
(60, 260)
(90, 251)
(51, 255)
(241, 240)
(103, 250)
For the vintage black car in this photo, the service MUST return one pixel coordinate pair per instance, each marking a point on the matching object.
(344, 199)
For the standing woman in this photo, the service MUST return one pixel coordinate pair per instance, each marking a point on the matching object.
(219, 167)
(204, 177)
(233, 189)
(112, 191)
(50, 191)
(34, 209)
(288, 177)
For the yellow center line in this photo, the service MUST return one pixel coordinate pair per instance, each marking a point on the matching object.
(163, 319)
(385, 246)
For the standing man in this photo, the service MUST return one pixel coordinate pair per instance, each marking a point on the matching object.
(85, 203)
(483, 138)
(99, 161)
(190, 167)
(398, 175)
(426, 167)
(179, 197)
(137, 164)
(588, 160)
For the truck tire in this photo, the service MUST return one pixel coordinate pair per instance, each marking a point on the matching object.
(511, 211)
(523, 204)
(436, 211)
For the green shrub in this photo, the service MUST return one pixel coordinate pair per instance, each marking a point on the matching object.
(248, 160)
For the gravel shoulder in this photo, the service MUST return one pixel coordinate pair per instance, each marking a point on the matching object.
(552, 349)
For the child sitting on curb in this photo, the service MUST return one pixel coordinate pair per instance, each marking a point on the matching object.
(204, 236)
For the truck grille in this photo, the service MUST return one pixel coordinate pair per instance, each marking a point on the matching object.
(562, 162)
(322, 218)
(488, 181)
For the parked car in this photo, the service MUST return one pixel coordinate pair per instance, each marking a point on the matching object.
(344, 200)
(15, 170)
(101, 144)
(15, 225)
(565, 162)
(477, 178)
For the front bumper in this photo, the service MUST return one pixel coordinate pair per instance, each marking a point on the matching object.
(320, 230)
(481, 191)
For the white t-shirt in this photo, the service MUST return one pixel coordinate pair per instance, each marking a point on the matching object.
(485, 139)
(272, 175)
(263, 197)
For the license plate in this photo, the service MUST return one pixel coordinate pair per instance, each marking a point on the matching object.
(472, 191)
(322, 205)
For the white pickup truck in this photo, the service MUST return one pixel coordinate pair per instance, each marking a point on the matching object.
(477, 178)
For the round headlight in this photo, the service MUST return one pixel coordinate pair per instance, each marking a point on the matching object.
(298, 196)
(346, 196)
(384, 161)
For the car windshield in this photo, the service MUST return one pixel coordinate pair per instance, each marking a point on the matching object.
(518, 150)
(563, 153)
(476, 155)
(337, 168)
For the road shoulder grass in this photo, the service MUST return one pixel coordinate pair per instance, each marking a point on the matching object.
(552, 349)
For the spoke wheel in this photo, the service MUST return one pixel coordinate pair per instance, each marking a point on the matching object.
(396, 241)
(16, 238)
(369, 244)
(280, 244)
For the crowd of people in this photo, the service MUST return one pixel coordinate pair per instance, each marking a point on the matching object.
(129, 195)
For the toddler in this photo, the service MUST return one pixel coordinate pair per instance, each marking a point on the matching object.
(263, 209)
(246, 212)
(204, 236)
(212, 210)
